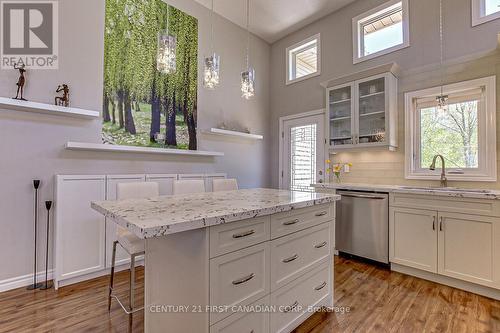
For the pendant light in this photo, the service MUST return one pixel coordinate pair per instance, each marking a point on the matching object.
(248, 76)
(442, 99)
(166, 61)
(211, 74)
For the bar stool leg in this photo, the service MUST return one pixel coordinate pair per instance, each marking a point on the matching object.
(113, 257)
(132, 283)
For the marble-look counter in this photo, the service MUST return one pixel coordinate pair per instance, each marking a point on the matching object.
(447, 192)
(160, 216)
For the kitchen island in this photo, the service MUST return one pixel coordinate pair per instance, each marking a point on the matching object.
(257, 260)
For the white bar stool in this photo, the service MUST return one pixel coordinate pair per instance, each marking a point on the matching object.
(224, 185)
(132, 244)
(189, 186)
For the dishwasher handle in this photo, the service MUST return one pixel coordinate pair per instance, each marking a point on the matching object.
(364, 196)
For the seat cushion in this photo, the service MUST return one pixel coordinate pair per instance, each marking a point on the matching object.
(130, 242)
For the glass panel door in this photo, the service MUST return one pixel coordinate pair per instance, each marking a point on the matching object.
(340, 115)
(372, 110)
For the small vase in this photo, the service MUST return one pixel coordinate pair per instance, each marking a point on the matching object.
(337, 179)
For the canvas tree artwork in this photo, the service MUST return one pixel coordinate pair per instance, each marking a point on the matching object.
(150, 75)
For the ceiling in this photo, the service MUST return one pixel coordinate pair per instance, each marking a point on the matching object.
(274, 19)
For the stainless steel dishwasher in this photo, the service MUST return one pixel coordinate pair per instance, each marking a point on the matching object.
(362, 225)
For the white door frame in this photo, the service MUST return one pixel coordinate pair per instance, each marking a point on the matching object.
(282, 137)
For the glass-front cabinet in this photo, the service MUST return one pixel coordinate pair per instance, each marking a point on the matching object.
(363, 113)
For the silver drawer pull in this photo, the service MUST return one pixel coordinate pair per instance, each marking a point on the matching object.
(291, 307)
(319, 246)
(292, 258)
(321, 286)
(244, 279)
(323, 213)
(291, 222)
(244, 234)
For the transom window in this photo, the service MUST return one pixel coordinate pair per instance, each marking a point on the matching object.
(484, 11)
(303, 59)
(381, 30)
(463, 131)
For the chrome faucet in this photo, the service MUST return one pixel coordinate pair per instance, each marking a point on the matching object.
(444, 181)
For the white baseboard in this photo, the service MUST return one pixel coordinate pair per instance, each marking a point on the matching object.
(448, 281)
(23, 281)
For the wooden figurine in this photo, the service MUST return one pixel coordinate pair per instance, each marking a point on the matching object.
(64, 99)
(20, 83)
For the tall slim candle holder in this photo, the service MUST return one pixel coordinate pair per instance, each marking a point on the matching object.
(35, 285)
(47, 285)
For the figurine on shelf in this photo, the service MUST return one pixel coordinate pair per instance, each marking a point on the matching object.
(20, 83)
(64, 99)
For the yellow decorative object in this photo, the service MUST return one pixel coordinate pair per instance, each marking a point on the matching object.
(336, 168)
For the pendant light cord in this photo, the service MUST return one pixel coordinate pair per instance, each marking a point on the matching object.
(441, 42)
(212, 28)
(248, 34)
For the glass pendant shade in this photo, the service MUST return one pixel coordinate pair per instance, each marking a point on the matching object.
(442, 103)
(248, 83)
(211, 77)
(166, 61)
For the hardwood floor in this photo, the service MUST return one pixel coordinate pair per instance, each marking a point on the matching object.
(372, 299)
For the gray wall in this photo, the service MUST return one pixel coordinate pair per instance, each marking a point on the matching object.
(336, 41)
(31, 145)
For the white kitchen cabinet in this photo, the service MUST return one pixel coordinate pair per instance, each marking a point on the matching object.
(79, 230)
(122, 257)
(413, 238)
(469, 248)
(165, 182)
(363, 113)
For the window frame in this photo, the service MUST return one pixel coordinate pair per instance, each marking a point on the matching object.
(289, 60)
(358, 36)
(478, 13)
(487, 171)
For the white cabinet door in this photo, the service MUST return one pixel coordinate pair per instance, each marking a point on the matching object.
(469, 248)
(111, 181)
(165, 181)
(413, 238)
(79, 230)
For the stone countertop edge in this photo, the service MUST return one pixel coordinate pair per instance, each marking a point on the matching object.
(491, 195)
(198, 223)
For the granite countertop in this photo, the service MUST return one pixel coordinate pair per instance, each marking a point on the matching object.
(160, 216)
(410, 189)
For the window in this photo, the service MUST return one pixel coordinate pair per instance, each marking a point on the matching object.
(464, 132)
(303, 157)
(484, 11)
(380, 31)
(303, 60)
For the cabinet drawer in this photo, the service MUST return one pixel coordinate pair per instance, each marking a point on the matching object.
(229, 237)
(239, 278)
(294, 254)
(294, 220)
(292, 301)
(246, 322)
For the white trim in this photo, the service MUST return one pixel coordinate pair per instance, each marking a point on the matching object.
(27, 106)
(488, 172)
(24, 280)
(316, 37)
(281, 138)
(356, 33)
(478, 16)
(140, 150)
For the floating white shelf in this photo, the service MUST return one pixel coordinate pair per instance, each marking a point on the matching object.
(139, 150)
(27, 106)
(219, 131)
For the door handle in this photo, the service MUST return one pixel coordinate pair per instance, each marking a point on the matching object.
(244, 234)
(243, 279)
(319, 246)
(292, 258)
(291, 222)
(441, 223)
(364, 196)
(323, 213)
(433, 223)
(321, 286)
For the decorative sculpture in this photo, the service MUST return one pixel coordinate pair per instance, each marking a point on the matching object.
(20, 83)
(64, 99)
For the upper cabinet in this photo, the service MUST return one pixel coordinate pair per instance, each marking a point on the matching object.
(363, 113)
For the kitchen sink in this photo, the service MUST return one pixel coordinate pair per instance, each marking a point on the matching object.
(444, 189)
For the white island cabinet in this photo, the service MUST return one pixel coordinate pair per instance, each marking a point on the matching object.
(256, 260)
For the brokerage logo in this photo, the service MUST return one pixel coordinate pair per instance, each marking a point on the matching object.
(29, 34)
